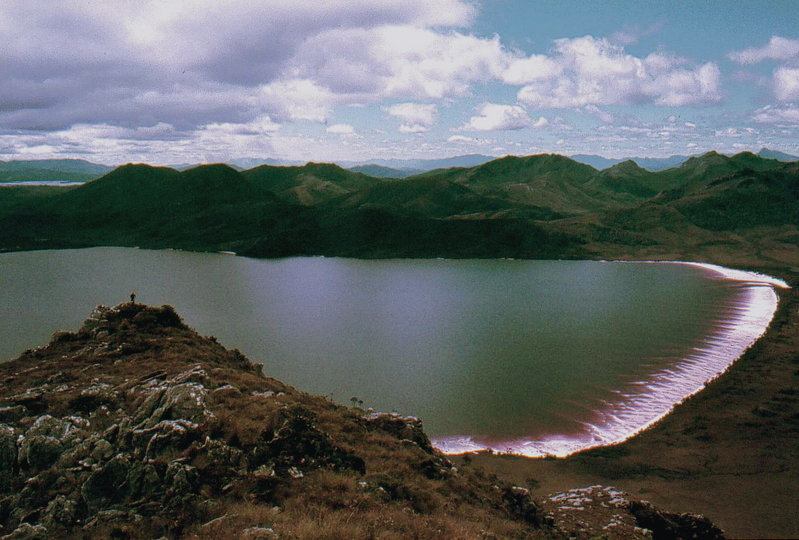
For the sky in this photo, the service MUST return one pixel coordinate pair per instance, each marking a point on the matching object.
(191, 81)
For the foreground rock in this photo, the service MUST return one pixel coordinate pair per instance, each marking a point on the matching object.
(136, 427)
(600, 511)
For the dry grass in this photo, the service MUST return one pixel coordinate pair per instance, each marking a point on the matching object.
(400, 490)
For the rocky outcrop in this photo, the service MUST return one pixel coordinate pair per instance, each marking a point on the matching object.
(137, 427)
(605, 512)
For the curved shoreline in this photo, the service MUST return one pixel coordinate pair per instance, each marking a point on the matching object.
(635, 412)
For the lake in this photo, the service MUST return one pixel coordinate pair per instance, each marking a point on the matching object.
(534, 357)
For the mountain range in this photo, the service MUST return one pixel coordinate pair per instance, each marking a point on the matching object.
(82, 170)
(541, 206)
(51, 169)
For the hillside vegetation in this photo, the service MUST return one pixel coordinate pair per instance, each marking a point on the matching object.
(542, 206)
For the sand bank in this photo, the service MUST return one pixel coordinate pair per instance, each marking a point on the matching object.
(646, 402)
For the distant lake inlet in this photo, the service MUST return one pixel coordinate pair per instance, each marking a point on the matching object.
(533, 357)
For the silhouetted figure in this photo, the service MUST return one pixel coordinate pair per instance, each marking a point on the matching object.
(133, 298)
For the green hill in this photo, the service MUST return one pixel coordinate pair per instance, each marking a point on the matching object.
(50, 169)
(207, 207)
(693, 175)
(546, 180)
(435, 197)
(379, 171)
(745, 199)
(527, 207)
(310, 184)
(697, 172)
(626, 178)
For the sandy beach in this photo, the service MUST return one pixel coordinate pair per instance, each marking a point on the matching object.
(646, 402)
(729, 452)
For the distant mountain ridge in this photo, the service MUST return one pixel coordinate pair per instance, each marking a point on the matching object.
(661, 164)
(540, 206)
(79, 169)
(385, 172)
(51, 169)
(648, 163)
(776, 154)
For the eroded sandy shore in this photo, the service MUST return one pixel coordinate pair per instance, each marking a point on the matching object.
(642, 405)
(730, 452)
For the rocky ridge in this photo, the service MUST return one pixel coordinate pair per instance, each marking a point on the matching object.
(135, 426)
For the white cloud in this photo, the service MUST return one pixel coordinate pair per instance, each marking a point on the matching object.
(206, 78)
(541, 122)
(416, 117)
(493, 116)
(786, 84)
(735, 132)
(413, 128)
(596, 72)
(462, 139)
(529, 69)
(297, 99)
(121, 62)
(777, 115)
(398, 61)
(602, 115)
(341, 129)
(259, 126)
(778, 48)
(631, 34)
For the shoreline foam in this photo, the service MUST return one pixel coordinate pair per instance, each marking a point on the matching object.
(634, 412)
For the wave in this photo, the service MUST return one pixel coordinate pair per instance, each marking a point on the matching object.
(635, 410)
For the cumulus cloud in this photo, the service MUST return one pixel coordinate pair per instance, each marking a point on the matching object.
(296, 99)
(493, 116)
(735, 132)
(597, 72)
(532, 68)
(541, 122)
(777, 115)
(398, 61)
(631, 34)
(786, 84)
(132, 63)
(416, 117)
(778, 48)
(464, 140)
(785, 79)
(341, 129)
(99, 77)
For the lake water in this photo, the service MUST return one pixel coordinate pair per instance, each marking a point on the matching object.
(39, 183)
(532, 356)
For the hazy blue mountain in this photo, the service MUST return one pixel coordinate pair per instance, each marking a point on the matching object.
(468, 160)
(648, 163)
(51, 169)
(380, 171)
(660, 164)
(776, 154)
(598, 162)
(250, 162)
(66, 165)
